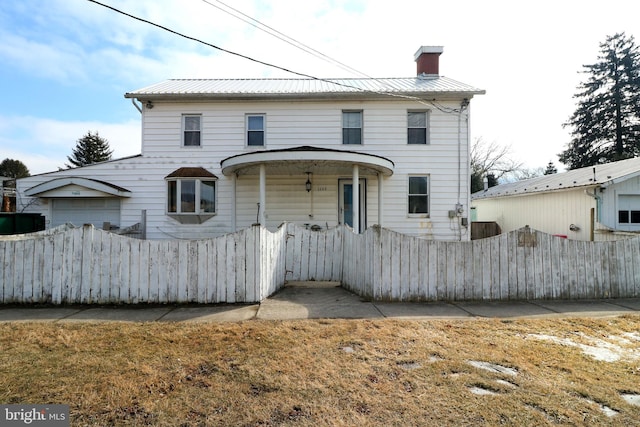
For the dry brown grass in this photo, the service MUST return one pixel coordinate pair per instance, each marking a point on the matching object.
(324, 372)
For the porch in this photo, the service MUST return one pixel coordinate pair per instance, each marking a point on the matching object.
(316, 185)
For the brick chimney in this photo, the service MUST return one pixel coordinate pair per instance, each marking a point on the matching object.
(427, 60)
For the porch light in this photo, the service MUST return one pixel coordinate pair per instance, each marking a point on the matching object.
(308, 183)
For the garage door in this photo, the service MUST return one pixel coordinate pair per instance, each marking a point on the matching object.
(85, 211)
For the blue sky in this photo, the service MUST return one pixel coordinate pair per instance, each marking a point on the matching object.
(66, 64)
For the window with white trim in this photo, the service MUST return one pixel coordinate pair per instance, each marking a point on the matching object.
(191, 130)
(352, 127)
(629, 211)
(191, 196)
(255, 130)
(417, 126)
(419, 195)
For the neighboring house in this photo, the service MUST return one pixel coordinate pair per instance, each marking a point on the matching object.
(221, 155)
(7, 195)
(599, 202)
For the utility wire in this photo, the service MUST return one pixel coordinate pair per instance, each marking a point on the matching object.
(413, 98)
(201, 41)
(285, 38)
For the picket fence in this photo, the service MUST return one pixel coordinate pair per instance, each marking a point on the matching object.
(90, 266)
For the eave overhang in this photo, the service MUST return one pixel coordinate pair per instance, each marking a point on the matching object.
(91, 184)
(306, 159)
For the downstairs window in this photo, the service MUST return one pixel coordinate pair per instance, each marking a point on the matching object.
(191, 195)
(419, 195)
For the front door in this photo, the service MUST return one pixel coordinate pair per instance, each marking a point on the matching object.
(345, 203)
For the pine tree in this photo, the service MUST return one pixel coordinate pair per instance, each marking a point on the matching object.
(606, 123)
(10, 168)
(551, 169)
(89, 149)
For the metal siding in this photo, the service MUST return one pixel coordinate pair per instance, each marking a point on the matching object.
(551, 213)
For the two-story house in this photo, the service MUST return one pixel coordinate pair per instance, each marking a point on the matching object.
(220, 155)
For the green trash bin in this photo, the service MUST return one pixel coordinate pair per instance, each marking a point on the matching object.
(20, 223)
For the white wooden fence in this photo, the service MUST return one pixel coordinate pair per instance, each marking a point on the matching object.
(86, 265)
(520, 265)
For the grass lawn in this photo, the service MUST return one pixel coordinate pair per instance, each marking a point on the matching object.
(329, 372)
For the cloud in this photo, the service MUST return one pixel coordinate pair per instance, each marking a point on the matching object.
(44, 144)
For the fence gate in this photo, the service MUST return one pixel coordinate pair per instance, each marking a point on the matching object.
(313, 255)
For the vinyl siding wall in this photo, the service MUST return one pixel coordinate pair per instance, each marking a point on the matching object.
(291, 124)
(551, 212)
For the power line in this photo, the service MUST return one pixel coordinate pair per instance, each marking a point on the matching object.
(200, 41)
(413, 98)
(285, 38)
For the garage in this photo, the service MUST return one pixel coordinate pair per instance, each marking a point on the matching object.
(79, 201)
(85, 211)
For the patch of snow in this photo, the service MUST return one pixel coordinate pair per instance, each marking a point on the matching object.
(631, 399)
(599, 349)
(491, 367)
(632, 335)
(481, 391)
(609, 412)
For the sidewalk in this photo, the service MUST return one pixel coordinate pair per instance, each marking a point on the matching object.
(302, 302)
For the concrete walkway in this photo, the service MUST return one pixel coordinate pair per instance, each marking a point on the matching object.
(322, 300)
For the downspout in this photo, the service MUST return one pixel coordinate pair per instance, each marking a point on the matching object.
(133, 101)
(463, 105)
(597, 215)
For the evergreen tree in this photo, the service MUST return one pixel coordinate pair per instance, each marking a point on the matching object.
(551, 169)
(10, 168)
(606, 123)
(89, 149)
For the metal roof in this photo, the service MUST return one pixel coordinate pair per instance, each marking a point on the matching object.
(420, 85)
(601, 175)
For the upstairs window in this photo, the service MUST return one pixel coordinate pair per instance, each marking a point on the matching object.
(417, 127)
(419, 194)
(352, 127)
(191, 130)
(255, 130)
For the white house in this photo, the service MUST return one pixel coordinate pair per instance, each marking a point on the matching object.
(599, 202)
(220, 155)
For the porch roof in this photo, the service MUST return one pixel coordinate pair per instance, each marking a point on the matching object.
(304, 159)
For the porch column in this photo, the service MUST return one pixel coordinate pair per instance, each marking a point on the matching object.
(263, 195)
(380, 197)
(234, 184)
(355, 202)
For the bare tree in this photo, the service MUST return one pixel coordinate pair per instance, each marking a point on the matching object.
(491, 159)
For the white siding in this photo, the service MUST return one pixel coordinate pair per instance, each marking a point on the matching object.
(291, 124)
(551, 212)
